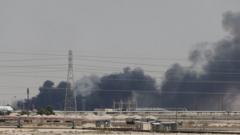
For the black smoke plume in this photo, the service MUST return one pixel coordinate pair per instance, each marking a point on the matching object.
(211, 82)
(126, 85)
(50, 96)
(98, 92)
(216, 84)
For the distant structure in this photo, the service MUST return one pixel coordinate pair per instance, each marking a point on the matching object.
(83, 104)
(128, 105)
(6, 109)
(28, 104)
(70, 98)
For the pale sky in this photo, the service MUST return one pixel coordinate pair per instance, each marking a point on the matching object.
(164, 30)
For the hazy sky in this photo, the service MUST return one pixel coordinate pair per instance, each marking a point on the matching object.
(162, 29)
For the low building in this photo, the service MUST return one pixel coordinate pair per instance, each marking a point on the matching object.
(143, 126)
(103, 109)
(103, 123)
(149, 109)
(131, 120)
(163, 126)
(6, 110)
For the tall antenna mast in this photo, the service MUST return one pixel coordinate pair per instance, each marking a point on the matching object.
(70, 97)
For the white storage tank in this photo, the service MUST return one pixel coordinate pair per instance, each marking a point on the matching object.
(6, 109)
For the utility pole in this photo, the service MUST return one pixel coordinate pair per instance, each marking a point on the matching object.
(222, 105)
(114, 106)
(83, 104)
(27, 106)
(70, 97)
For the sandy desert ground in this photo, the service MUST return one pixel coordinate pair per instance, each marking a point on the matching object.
(14, 131)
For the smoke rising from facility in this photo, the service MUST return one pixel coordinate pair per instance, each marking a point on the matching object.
(217, 86)
(87, 85)
(99, 92)
(120, 86)
(211, 82)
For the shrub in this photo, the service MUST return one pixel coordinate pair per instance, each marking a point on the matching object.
(46, 111)
(24, 113)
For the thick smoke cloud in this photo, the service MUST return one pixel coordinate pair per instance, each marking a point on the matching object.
(99, 92)
(231, 23)
(127, 85)
(87, 85)
(50, 96)
(211, 82)
(217, 87)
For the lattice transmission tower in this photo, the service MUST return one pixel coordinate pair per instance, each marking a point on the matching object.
(70, 97)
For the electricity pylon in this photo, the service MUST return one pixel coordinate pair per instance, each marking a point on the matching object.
(70, 97)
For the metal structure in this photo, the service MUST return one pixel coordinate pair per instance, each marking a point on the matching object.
(83, 104)
(128, 105)
(70, 97)
(28, 105)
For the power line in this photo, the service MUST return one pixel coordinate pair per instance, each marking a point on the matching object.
(36, 71)
(217, 92)
(116, 62)
(112, 57)
(87, 56)
(30, 66)
(153, 58)
(34, 76)
(27, 66)
(140, 91)
(12, 94)
(29, 60)
(158, 71)
(169, 81)
(117, 91)
(96, 68)
(171, 93)
(134, 58)
(96, 60)
(28, 53)
(126, 79)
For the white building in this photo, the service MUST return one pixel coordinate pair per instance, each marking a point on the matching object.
(6, 109)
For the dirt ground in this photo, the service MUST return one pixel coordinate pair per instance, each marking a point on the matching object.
(15, 131)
